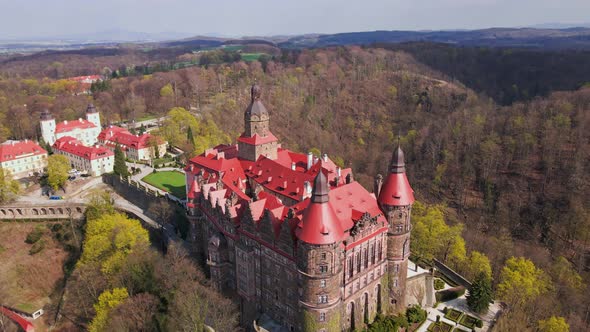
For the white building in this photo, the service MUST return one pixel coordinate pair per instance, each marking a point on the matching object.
(135, 147)
(86, 131)
(22, 158)
(95, 160)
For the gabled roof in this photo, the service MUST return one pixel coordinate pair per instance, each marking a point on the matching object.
(11, 150)
(118, 135)
(66, 126)
(257, 139)
(73, 146)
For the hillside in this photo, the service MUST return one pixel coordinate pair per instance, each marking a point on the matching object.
(514, 175)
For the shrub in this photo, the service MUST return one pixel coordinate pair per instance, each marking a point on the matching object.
(450, 294)
(34, 235)
(445, 310)
(37, 247)
(439, 284)
(415, 314)
(479, 323)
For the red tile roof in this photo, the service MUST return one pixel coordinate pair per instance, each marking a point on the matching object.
(396, 190)
(73, 146)
(66, 126)
(12, 150)
(257, 139)
(118, 135)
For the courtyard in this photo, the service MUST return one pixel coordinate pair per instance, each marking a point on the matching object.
(169, 181)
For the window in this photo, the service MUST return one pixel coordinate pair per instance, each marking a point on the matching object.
(379, 251)
(323, 299)
(396, 268)
(323, 268)
(395, 282)
(323, 256)
(350, 267)
(322, 283)
(399, 228)
(322, 316)
(366, 258)
(358, 262)
(372, 254)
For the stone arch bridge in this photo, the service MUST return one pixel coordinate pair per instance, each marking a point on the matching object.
(43, 211)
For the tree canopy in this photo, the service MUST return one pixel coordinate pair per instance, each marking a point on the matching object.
(480, 294)
(109, 239)
(554, 324)
(9, 187)
(521, 282)
(58, 167)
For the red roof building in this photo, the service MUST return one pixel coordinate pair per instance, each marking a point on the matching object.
(256, 205)
(94, 160)
(136, 147)
(22, 158)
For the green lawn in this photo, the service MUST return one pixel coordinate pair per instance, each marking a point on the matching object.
(170, 181)
(251, 56)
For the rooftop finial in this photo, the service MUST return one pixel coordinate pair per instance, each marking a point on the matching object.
(255, 91)
(320, 188)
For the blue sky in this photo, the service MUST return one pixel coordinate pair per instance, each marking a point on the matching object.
(42, 18)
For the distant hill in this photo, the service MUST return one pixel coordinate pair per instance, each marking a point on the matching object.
(570, 38)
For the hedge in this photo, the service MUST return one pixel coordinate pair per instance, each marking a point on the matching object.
(450, 294)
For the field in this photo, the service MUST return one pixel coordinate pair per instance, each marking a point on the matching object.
(27, 281)
(251, 56)
(169, 181)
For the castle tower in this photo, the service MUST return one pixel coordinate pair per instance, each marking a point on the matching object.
(319, 262)
(257, 139)
(395, 198)
(47, 127)
(92, 115)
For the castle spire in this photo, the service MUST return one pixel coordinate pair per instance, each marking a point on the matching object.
(320, 224)
(396, 190)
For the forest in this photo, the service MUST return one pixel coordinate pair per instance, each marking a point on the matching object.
(507, 176)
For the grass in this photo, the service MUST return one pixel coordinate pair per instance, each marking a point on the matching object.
(439, 327)
(453, 315)
(468, 321)
(170, 181)
(251, 56)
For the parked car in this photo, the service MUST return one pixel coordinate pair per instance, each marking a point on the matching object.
(55, 197)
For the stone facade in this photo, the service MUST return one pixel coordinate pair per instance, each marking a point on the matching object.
(327, 257)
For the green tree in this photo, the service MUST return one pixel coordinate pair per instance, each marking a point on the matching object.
(476, 263)
(107, 301)
(554, 324)
(167, 90)
(120, 167)
(110, 239)
(480, 294)
(189, 136)
(99, 204)
(57, 170)
(521, 282)
(9, 187)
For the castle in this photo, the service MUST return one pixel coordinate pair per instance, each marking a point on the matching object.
(85, 131)
(293, 237)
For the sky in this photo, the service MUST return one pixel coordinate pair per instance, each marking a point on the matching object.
(49, 18)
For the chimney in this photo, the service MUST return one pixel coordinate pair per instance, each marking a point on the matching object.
(378, 184)
(325, 157)
(338, 171)
(307, 188)
(66, 122)
(293, 166)
(309, 160)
